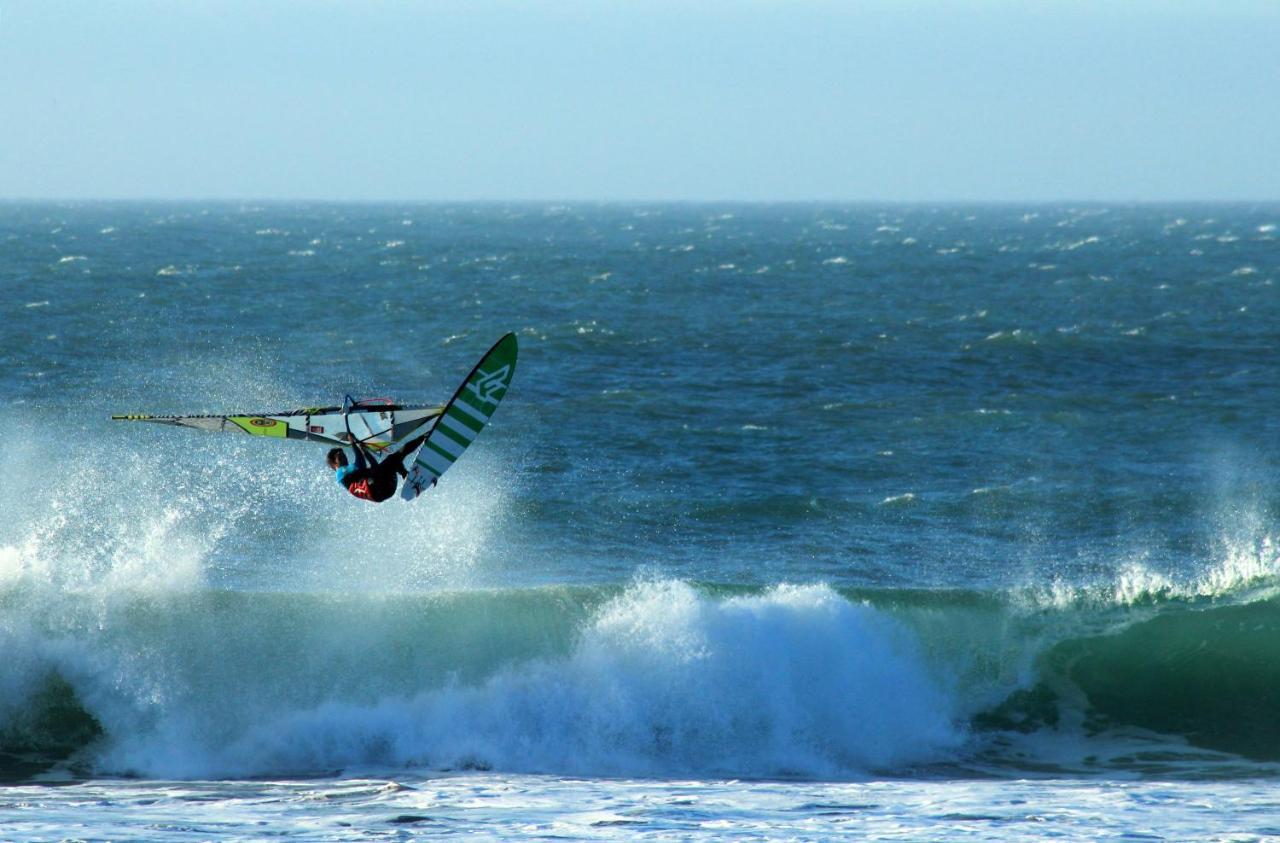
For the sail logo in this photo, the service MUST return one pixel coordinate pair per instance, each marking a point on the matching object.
(489, 385)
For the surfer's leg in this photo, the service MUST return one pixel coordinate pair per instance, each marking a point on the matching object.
(383, 480)
(413, 445)
(398, 457)
(396, 461)
(382, 487)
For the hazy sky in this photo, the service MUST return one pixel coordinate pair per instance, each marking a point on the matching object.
(635, 99)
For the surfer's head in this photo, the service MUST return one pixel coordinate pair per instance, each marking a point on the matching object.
(337, 458)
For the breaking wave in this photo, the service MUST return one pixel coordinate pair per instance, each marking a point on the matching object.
(659, 677)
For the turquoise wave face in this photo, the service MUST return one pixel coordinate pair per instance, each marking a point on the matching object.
(1209, 676)
(660, 677)
(1024, 456)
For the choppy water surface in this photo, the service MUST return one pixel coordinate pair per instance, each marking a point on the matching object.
(484, 805)
(800, 520)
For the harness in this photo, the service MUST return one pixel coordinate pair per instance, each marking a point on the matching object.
(360, 489)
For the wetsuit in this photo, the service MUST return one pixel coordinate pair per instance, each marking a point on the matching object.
(371, 480)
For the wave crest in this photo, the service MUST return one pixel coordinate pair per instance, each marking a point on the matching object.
(664, 679)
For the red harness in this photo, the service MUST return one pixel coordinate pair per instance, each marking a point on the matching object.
(360, 489)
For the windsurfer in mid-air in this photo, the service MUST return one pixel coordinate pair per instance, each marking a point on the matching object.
(370, 479)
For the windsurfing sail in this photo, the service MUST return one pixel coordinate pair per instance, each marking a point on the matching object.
(377, 423)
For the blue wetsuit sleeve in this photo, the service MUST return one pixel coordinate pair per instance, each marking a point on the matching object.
(361, 465)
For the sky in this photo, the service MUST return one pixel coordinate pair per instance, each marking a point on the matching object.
(641, 100)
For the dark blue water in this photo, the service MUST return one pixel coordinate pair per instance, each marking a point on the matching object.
(990, 446)
(909, 395)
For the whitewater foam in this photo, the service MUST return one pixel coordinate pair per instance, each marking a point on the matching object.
(664, 680)
(661, 679)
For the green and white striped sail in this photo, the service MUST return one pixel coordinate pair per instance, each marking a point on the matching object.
(464, 417)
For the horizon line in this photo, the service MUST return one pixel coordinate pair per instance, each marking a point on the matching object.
(622, 201)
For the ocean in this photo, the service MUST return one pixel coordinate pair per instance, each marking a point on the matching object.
(798, 521)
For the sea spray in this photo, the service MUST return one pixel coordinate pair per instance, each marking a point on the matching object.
(162, 509)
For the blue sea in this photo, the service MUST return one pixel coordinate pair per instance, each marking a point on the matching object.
(798, 521)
